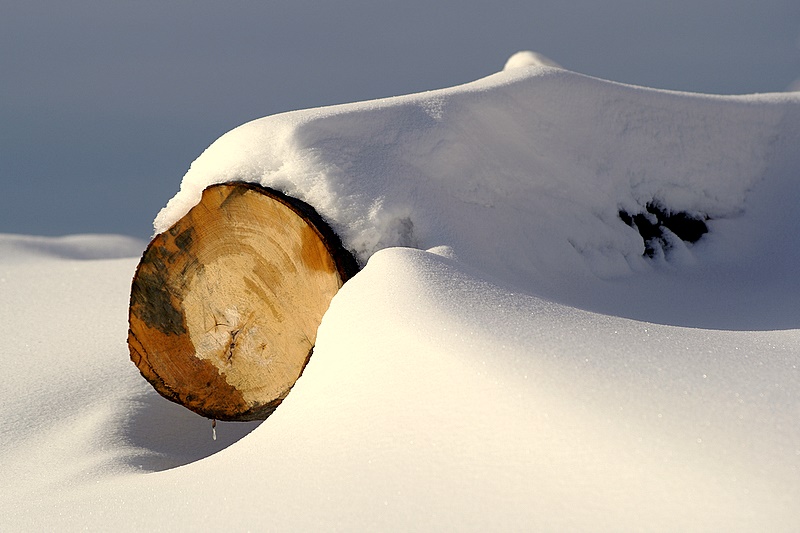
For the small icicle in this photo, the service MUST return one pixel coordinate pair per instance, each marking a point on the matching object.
(214, 429)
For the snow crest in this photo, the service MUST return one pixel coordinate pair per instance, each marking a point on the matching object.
(523, 174)
(527, 58)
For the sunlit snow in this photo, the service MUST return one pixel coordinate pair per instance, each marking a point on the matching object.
(507, 359)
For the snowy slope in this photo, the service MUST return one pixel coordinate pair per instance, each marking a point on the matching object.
(505, 379)
(523, 175)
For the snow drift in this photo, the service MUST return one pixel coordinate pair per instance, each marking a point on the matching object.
(524, 173)
(492, 366)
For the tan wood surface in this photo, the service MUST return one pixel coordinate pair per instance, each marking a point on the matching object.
(225, 305)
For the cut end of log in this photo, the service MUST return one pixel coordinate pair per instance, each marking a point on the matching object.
(225, 305)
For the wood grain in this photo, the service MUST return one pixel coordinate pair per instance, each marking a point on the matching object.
(225, 305)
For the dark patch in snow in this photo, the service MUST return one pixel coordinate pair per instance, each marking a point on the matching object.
(405, 231)
(656, 219)
(166, 435)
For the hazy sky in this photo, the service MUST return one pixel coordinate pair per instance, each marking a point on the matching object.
(104, 104)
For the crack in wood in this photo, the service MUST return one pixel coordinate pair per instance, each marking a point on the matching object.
(232, 345)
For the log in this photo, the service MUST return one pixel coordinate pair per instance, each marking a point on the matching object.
(226, 303)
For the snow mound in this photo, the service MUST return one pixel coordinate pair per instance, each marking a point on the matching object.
(524, 175)
(78, 247)
(458, 387)
(435, 400)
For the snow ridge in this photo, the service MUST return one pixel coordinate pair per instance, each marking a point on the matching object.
(523, 174)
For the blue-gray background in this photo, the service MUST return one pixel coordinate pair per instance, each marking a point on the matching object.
(104, 104)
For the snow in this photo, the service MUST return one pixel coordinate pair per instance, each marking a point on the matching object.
(528, 58)
(27, 248)
(507, 359)
(523, 175)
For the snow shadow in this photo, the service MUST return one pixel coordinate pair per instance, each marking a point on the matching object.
(72, 247)
(740, 299)
(165, 435)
